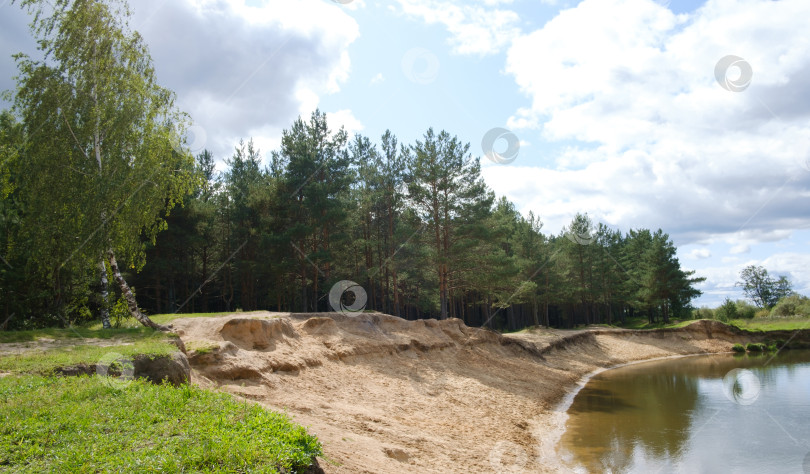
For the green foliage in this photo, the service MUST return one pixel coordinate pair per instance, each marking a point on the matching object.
(727, 311)
(761, 288)
(792, 306)
(738, 348)
(704, 312)
(101, 165)
(762, 313)
(745, 310)
(83, 424)
(757, 347)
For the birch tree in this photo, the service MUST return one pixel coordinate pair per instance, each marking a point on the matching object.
(103, 161)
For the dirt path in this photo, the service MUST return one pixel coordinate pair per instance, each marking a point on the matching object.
(388, 395)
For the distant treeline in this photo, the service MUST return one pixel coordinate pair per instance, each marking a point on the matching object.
(415, 226)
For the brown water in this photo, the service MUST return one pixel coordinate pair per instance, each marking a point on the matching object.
(718, 413)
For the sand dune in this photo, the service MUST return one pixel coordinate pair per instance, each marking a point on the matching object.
(388, 395)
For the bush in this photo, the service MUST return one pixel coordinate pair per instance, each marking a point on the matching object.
(745, 310)
(738, 348)
(726, 311)
(704, 312)
(793, 305)
(756, 347)
(762, 313)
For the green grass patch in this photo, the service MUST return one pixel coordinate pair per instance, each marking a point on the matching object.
(201, 347)
(77, 333)
(131, 323)
(644, 323)
(738, 348)
(83, 424)
(44, 362)
(771, 324)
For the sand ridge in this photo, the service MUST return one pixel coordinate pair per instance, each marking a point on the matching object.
(388, 395)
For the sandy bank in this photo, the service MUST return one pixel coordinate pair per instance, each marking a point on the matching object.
(388, 395)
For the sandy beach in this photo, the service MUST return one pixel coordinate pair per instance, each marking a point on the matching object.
(388, 395)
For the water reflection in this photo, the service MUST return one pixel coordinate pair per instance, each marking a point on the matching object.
(673, 415)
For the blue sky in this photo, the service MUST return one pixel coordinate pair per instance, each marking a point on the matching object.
(617, 104)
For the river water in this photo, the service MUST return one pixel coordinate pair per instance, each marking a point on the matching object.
(713, 414)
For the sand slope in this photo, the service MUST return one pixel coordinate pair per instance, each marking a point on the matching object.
(388, 395)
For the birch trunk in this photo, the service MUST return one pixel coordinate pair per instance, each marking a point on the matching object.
(105, 308)
(130, 297)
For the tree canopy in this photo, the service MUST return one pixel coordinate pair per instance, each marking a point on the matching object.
(764, 290)
(100, 168)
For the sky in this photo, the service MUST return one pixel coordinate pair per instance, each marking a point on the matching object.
(684, 115)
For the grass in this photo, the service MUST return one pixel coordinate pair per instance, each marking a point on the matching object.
(76, 332)
(129, 329)
(771, 324)
(201, 347)
(644, 323)
(45, 362)
(84, 424)
(131, 323)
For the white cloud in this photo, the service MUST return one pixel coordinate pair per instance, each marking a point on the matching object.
(699, 254)
(656, 141)
(346, 119)
(740, 248)
(243, 71)
(378, 79)
(475, 29)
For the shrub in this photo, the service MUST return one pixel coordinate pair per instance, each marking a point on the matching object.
(704, 312)
(745, 310)
(738, 348)
(726, 311)
(756, 347)
(762, 313)
(793, 305)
